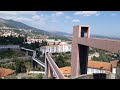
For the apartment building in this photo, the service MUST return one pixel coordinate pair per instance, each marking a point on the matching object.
(56, 48)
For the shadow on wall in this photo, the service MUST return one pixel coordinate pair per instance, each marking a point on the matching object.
(99, 76)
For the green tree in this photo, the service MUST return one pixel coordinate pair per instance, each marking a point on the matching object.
(44, 43)
(91, 51)
(40, 76)
(37, 44)
(60, 61)
(95, 58)
(11, 40)
(103, 57)
(20, 66)
(12, 67)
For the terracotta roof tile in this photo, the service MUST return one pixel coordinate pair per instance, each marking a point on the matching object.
(98, 65)
(114, 63)
(91, 64)
(66, 70)
(5, 72)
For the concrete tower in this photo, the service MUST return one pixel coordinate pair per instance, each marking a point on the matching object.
(79, 53)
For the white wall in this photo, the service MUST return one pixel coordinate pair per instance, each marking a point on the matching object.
(92, 70)
(114, 70)
(58, 49)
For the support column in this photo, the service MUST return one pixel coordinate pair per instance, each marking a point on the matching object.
(33, 64)
(48, 70)
(79, 53)
(46, 67)
(36, 65)
(75, 70)
(26, 53)
(49, 74)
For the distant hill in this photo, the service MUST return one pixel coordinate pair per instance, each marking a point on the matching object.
(58, 33)
(61, 33)
(105, 37)
(17, 24)
(13, 24)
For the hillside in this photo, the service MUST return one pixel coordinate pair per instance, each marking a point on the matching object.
(105, 37)
(61, 33)
(13, 24)
(16, 24)
(27, 30)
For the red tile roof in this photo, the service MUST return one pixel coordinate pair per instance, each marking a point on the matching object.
(66, 70)
(91, 64)
(100, 65)
(114, 63)
(5, 72)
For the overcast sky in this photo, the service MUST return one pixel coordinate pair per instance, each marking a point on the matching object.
(101, 22)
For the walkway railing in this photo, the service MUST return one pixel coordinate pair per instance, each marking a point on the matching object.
(34, 55)
(57, 73)
(51, 69)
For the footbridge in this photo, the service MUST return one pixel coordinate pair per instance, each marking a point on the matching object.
(51, 69)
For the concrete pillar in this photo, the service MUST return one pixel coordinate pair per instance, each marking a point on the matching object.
(48, 70)
(49, 73)
(36, 65)
(33, 64)
(46, 66)
(79, 53)
(26, 53)
(75, 52)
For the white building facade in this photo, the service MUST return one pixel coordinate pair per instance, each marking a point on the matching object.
(56, 48)
(98, 67)
(95, 70)
(114, 70)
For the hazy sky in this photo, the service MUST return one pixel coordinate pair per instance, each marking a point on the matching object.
(101, 22)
